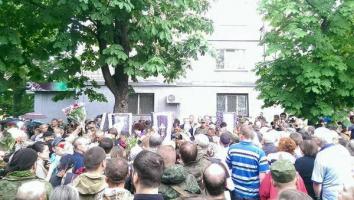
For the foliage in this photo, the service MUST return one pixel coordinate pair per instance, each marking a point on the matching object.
(124, 39)
(309, 67)
(23, 102)
(25, 42)
(7, 142)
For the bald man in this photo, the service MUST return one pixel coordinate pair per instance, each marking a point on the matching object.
(176, 181)
(155, 140)
(215, 181)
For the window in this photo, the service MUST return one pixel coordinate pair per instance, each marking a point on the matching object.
(141, 103)
(233, 103)
(230, 59)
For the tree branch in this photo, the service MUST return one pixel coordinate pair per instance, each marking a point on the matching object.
(102, 44)
(82, 27)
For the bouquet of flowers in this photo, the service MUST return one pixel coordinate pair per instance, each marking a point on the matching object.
(76, 113)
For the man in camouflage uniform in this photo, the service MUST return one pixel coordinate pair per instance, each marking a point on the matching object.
(176, 182)
(19, 171)
(203, 128)
(189, 154)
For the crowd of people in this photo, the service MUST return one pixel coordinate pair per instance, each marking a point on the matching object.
(285, 159)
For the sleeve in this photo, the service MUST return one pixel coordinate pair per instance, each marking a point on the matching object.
(228, 159)
(318, 171)
(300, 185)
(264, 189)
(263, 162)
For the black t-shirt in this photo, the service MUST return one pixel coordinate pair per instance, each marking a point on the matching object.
(148, 197)
(304, 166)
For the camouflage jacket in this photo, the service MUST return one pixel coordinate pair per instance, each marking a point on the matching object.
(196, 170)
(176, 182)
(12, 181)
(117, 194)
(203, 158)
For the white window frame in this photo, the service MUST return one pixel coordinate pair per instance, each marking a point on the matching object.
(138, 103)
(237, 99)
(229, 62)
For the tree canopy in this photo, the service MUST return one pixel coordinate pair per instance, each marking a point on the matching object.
(309, 65)
(26, 41)
(56, 40)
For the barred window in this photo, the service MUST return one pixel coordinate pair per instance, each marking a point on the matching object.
(233, 103)
(141, 103)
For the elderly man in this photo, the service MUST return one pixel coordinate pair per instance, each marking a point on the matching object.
(214, 177)
(332, 167)
(26, 191)
(155, 140)
(80, 147)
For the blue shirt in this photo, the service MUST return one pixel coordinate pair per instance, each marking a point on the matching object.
(78, 163)
(246, 162)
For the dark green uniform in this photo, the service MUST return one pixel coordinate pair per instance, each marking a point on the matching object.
(12, 181)
(177, 182)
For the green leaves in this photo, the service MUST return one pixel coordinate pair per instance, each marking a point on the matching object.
(61, 39)
(115, 55)
(313, 41)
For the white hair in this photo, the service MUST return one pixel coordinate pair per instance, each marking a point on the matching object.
(326, 135)
(27, 192)
(64, 192)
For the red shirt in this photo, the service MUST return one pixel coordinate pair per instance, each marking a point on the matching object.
(268, 191)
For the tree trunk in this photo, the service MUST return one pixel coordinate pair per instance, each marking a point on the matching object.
(118, 82)
(18, 94)
(122, 95)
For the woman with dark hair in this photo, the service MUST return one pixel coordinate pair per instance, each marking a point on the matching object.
(304, 165)
(43, 156)
(20, 170)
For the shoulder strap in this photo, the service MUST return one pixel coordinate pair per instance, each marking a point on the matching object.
(181, 191)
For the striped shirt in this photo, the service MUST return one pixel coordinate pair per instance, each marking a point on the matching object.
(246, 162)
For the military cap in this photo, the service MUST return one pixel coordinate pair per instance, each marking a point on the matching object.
(283, 171)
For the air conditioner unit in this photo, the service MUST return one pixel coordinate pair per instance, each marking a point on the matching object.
(172, 99)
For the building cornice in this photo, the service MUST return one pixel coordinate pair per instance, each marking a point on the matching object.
(188, 84)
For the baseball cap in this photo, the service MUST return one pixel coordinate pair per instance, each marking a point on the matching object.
(283, 171)
(57, 140)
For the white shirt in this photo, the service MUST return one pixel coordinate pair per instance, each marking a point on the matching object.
(333, 170)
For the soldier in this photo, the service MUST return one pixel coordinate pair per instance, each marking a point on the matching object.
(176, 181)
(19, 171)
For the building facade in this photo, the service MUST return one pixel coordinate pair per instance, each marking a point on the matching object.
(223, 83)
